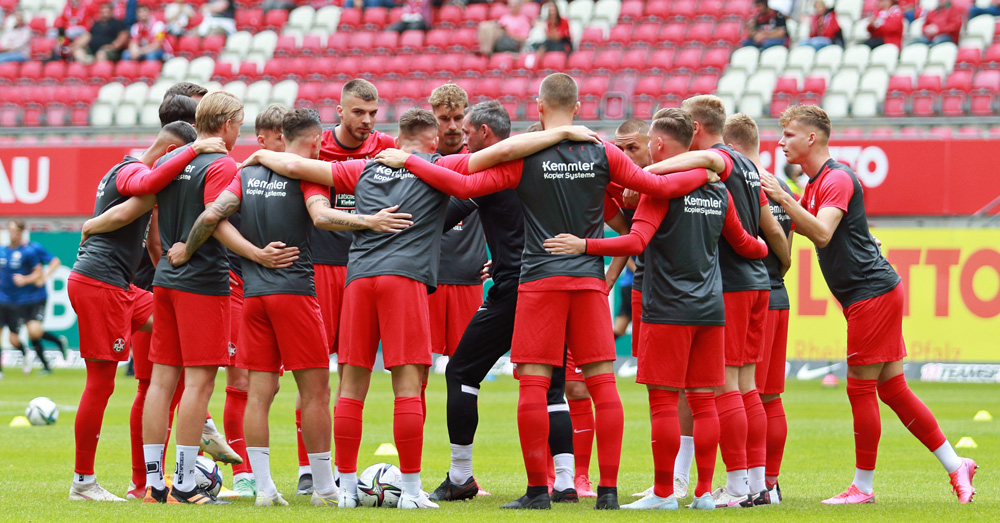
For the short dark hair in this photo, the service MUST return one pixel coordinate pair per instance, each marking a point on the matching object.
(677, 124)
(181, 130)
(185, 88)
(18, 222)
(360, 88)
(493, 115)
(178, 108)
(416, 121)
(559, 91)
(296, 123)
(633, 125)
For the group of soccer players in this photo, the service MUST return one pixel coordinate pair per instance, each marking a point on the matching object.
(332, 241)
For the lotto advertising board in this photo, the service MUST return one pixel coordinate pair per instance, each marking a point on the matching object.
(901, 177)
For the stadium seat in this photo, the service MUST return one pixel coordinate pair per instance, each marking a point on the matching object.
(634, 60)
(969, 132)
(327, 18)
(608, 10)
(703, 84)
(312, 45)
(580, 62)
(728, 33)
(350, 20)
(135, 94)
(54, 72)
(286, 46)
(101, 72)
(732, 83)
(592, 37)
(703, 32)
(474, 65)
(945, 133)
(102, 115)
(248, 71)
(688, 60)
(760, 84)
(476, 14)
(250, 20)
(801, 58)
(301, 18)
(828, 58)
(31, 72)
(126, 71)
(813, 89)
(581, 10)
(983, 96)
(42, 48)
(449, 16)
(607, 60)
(646, 35)
(658, 10)
(968, 58)
(851, 133)
(552, 61)
(715, 60)
(149, 70)
(991, 59)
(785, 91)
(223, 72)
(773, 58)
(855, 56)
(620, 36)
(300, 68)
(631, 11)
(673, 34)
(660, 61)
(865, 105)
(745, 58)
(374, 18)
(751, 105)
(411, 41)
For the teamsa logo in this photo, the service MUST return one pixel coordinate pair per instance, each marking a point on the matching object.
(16, 187)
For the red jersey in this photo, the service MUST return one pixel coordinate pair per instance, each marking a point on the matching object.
(332, 150)
(80, 14)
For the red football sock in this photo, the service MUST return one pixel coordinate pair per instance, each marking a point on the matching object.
(135, 433)
(232, 422)
(756, 429)
(777, 433)
(666, 437)
(533, 426)
(733, 430)
(423, 401)
(550, 469)
(90, 414)
(706, 437)
(174, 402)
(303, 455)
(408, 432)
(610, 424)
(347, 432)
(867, 424)
(895, 393)
(582, 415)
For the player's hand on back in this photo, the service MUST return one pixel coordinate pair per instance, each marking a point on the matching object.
(388, 220)
(713, 176)
(579, 133)
(394, 158)
(277, 256)
(253, 159)
(484, 273)
(565, 244)
(630, 197)
(210, 146)
(771, 186)
(177, 255)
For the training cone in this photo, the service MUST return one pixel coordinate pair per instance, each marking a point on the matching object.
(386, 449)
(966, 443)
(20, 421)
(982, 415)
(830, 381)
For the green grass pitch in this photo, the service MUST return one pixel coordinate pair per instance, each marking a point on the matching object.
(36, 463)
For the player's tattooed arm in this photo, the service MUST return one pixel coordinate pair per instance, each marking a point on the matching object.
(118, 216)
(325, 217)
(689, 160)
(819, 229)
(292, 166)
(224, 206)
(527, 144)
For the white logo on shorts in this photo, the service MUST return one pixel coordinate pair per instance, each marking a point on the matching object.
(119, 345)
(232, 349)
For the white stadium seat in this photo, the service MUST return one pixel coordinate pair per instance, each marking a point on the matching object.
(802, 57)
(752, 105)
(301, 18)
(250, 112)
(885, 56)
(851, 8)
(126, 115)
(285, 93)
(237, 46)
(865, 105)
(607, 10)
(581, 10)
(236, 87)
(745, 58)
(773, 58)
(175, 69)
(111, 93)
(327, 18)
(102, 114)
(874, 81)
(258, 92)
(732, 83)
(916, 55)
(150, 115)
(915, 29)
(264, 43)
(729, 102)
(136, 93)
(856, 56)
(845, 82)
(201, 69)
(835, 105)
(761, 84)
(943, 54)
(157, 91)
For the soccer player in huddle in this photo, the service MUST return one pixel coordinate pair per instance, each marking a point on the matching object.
(280, 312)
(562, 299)
(740, 133)
(109, 307)
(681, 341)
(831, 214)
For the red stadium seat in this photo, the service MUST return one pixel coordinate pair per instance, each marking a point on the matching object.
(970, 132)
(701, 32)
(683, 9)
(607, 60)
(79, 116)
(411, 41)
(309, 93)
(688, 60)
(621, 35)
(645, 35)
(276, 19)
(953, 103)
(56, 115)
(476, 13)
(649, 86)
(248, 72)
(338, 43)
(362, 42)
(660, 61)
(945, 133)
(703, 84)
(330, 93)
(716, 60)
(126, 72)
(54, 71)
(710, 9)
(77, 72)
(851, 132)
(498, 10)
(448, 66)
(676, 86)
(275, 70)
(395, 15)
(375, 18)
(580, 62)
(38, 24)
(474, 65)
(42, 48)
(500, 63)
(188, 46)
(631, 11)
(488, 89)
(881, 132)
(413, 90)
(982, 99)
(813, 89)
(438, 40)
(395, 66)
(728, 32)
(312, 45)
(9, 72)
(592, 37)
(968, 58)
(992, 58)
(251, 20)
(449, 16)
(657, 10)
(589, 110)
(31, 72)
(465, 39)
(594, 86)
(223, 72)
(786, 89)
(736, 9)
(553, 61)
(424, 65)
(299, 68)
(286, 46)
(673, 34)
(212, 45)
(350, 19)
(634, 60)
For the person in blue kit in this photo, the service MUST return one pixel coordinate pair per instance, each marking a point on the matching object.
(20, 268)
(40, 296)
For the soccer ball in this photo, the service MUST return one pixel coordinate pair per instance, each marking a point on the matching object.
(379, 486)
(207, 475)
(42, 411)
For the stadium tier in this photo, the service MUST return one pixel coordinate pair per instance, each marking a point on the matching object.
(631, 57)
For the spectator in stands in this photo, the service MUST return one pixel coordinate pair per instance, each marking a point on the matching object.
(943, 24)
(220, 17)
(556, 32)
(507, 34)
(271, 5)
(15, 44)
(177, 15)
(148, 37)
(766, 28)
(71, 25)
(106, 40)
(417, 15)
(885, 25)
(388, 4)
(992, 9)
(825, 29)
(911, 9)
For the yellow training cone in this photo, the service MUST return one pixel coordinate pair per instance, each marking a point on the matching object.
(20, 421)
(966, 443)
(982, 415)
(386, 449)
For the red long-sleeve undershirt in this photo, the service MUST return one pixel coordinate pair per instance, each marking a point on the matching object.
(135, 179)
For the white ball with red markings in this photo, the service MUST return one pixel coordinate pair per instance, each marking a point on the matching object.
(380, 485)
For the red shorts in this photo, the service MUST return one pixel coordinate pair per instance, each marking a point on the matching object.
(389, 308)
(546, 322)
(746, 313)
(636, 320)
(189, 330)
(330, 282)
(280, 330)
(451, 308)
(573, 372)
(107, 316)
(875, 329)
(681, 356)
(235, 314)
(770, 375)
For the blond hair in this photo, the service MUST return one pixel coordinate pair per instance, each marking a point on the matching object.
(449, 96)
(708, 110)
(741, 130)
(808, 115)
(270, 119)
(215, 109)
